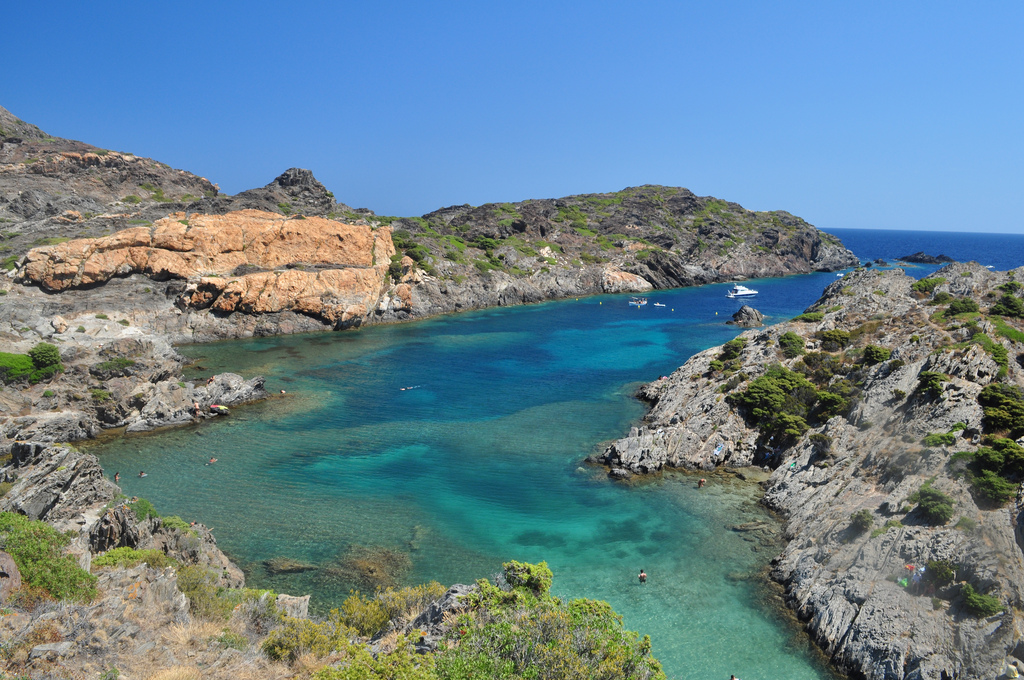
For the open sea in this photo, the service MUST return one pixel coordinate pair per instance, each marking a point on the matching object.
(436, 450)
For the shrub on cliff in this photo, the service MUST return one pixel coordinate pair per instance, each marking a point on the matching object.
(368, 615)
(962, 305)
(834, 340)
(1003, 406)
(38, 550)
(130, 557)
(861, 520)
(930, 383)
(1008, 305)
(44, 355)
(979, 604)
(792, 345)
(873, 354)
(779, 402)
(927, 285)
(934, 506)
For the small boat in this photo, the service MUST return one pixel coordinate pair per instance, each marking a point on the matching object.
(658, 304)
(740, 291)
(638, 301)
(840, 274)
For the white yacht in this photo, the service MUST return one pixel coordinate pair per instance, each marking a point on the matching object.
(739, 291)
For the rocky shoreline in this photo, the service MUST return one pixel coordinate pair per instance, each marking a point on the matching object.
(849, 485)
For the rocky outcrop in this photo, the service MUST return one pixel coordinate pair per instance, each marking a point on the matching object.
(56, 484)
(347, 263)
(748, 317)
(843, 582)
(921, 257)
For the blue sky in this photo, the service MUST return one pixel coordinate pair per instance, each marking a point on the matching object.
(873, 114)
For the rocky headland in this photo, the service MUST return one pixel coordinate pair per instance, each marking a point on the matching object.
(888, 413)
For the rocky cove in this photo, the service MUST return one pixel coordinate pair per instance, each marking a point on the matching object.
(287, 259)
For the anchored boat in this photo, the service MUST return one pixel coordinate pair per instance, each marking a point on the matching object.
(739, 291)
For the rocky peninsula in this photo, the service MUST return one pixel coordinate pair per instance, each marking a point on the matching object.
(889, 414)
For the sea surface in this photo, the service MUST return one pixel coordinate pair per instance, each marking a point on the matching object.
(438, 449)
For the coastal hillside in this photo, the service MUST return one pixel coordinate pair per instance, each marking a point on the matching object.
(890, 413)
(54, 190)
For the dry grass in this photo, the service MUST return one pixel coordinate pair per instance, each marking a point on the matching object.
(185, 634)
(308, 663)
(177, 673)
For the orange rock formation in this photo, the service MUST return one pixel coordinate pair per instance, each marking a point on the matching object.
(311, 265)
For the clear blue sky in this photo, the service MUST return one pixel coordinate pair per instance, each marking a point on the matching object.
(873, 114)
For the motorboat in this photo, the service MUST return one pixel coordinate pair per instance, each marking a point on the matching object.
(638, 301)
(739, 291)
(658, 304)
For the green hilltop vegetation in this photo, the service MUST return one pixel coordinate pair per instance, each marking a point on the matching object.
(636, 227)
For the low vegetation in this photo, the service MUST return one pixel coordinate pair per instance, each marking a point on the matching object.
(46, 571)
(41, 362)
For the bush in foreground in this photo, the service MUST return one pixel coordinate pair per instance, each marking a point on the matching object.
(38, 550)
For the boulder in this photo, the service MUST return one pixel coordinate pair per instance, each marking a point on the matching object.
(748, 317)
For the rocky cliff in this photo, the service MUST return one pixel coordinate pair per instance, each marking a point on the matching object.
(874, 408)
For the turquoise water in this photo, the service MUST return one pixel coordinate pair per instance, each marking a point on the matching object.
(481, 463)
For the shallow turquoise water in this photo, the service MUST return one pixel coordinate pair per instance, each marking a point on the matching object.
(481, 463)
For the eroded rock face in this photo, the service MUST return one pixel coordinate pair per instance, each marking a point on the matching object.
(312, 265)
(56, 484)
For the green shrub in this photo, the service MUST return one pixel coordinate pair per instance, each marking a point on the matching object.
(368, 615)
(144, 509)
(861, 520)
(100, 395)
(939, 439)
(1008, 305)
(38, 550)
(80, 329)
(935, 506)
(779, 402)
(941, 298)
(716, 365)
(517, 633)
(930, 383)
(174, 522)
(962, 306)
(792, 345)
(834, 340)
(400, 663)
(939, 572)
(927, 285)
(873, 354)
(731, 350)
(44, 354)
(1003, 406)
(822, 442)
(102, 316)
(810, 316)
(979, 604)
(993, 487)
(301, 636)
(116, 364)
(130, 557)
(14, 367)
(232, 640)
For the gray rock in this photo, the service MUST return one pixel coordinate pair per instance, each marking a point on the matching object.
(50, 651)
(291, 605)
(10, 577)
(747, 317)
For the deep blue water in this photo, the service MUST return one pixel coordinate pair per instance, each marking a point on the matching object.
(481, 462)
